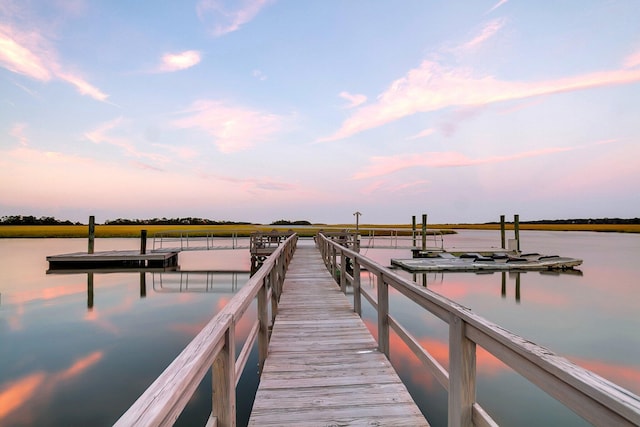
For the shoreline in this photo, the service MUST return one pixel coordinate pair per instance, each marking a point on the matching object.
(120, 231)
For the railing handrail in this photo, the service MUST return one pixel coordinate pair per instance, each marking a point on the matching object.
(594, 398)
(164, 400)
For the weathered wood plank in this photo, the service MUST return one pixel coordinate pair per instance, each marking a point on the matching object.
(323, 366)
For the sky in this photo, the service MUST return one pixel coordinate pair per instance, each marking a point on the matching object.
(259, 110)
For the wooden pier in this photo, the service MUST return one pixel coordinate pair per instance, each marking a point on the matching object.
(320, 366)
(324, 367)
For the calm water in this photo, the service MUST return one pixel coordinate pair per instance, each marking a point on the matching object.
(74, 357)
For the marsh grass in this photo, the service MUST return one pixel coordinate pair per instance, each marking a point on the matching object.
(102, 231)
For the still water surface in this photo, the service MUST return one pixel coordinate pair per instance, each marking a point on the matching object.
(74, 357)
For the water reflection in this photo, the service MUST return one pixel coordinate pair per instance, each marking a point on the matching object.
(170, 281)
(506, 277)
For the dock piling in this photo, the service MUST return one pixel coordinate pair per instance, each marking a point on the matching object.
(502, 232)
(413, 229)
(516, 229)
(143, 242)
(424, 232)
(92, 233)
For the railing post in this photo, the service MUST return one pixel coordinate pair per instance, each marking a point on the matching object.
(357, 298)
(224, 382)
(383, 315)
(274, 297)
(462, 374)
(343, 272)
(263, 319)
(334, 262)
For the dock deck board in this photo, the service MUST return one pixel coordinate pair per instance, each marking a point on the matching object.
(323, 366)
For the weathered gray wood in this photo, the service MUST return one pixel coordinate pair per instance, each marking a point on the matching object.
(594, 398)
(323, 366)
(481, 418)
(223, 379)
(383, 314)
(241, 361)
(343, 273)
(462, 375)
(160, 405)
(263, 322)
(213, 347)
(434, 367)
(357, 298)
(92, 234)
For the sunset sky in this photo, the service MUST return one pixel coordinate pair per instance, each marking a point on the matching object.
(262, 110)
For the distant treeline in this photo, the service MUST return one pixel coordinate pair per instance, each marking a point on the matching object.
(287, 222)
(580, 221)
(49, 220)
(32, 220)
(172, 221)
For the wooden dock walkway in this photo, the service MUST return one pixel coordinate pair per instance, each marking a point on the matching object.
(323, 367)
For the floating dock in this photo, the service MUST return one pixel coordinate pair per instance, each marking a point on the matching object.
(485, 261)
(112, 259)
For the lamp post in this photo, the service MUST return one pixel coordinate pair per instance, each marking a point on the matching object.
(357, 215)
(356, 242)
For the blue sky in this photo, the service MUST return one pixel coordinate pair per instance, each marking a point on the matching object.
(265, 110)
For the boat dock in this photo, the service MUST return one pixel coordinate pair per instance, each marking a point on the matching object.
(106, 259)
(324, 367)
(320, 366)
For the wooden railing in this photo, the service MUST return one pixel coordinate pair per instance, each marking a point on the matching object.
(597, 400)
(214, 348)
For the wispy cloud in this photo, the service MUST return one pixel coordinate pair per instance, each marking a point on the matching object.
(252, 184)
(232, 128)
(386, 165)
(632, 60)
(497, 5)
(228, 16)
(432, 87)
(30, 54)
(488, 31)
(422, 134)
(84, 87)
(180, 61)
(22, 60)
(18, 132)
(258, 74)
(354, 100)
(110, 133)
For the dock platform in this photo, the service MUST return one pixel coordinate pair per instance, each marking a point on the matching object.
(323, 366)
(107, 259)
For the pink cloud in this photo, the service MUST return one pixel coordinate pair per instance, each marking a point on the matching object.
(232, 128)
(84, 87)
(29, 54)
(632, 60)
(354, 100)
(422, 134)
(432, 87)
(104, 133)
(385, 165)
(180, 61)
(487, 32)
(231, 16)
(20, 59)
(497, 5)
(250, 184)
(17, 131)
